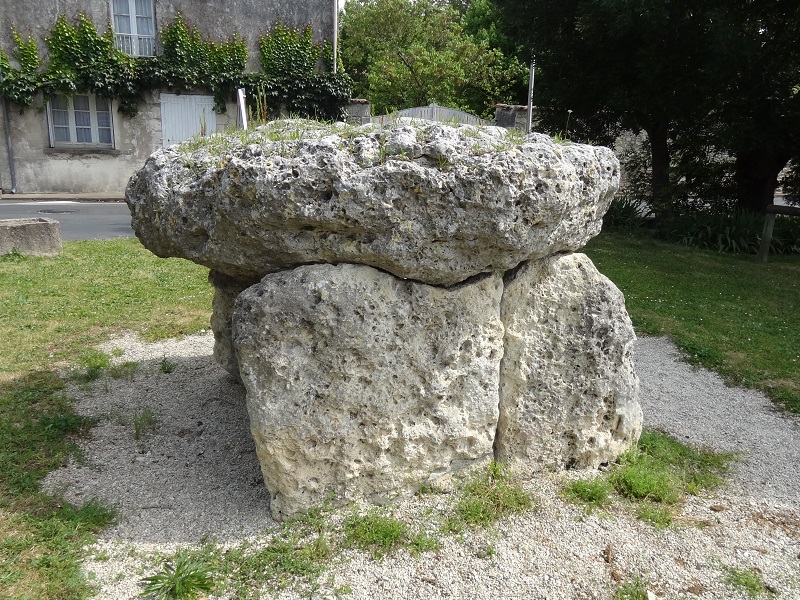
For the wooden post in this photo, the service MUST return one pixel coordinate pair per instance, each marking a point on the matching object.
(766, 237)
(769, 226)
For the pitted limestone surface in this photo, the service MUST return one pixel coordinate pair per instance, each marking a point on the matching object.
(360, 297)
(420, 200)
(365, 385)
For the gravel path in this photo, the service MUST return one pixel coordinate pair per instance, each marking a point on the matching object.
(195, 474)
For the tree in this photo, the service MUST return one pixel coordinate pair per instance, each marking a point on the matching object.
(724, 71)
(757, 114)
(634, 64)
(403, 53)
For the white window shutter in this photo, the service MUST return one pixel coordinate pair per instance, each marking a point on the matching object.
(182, 115)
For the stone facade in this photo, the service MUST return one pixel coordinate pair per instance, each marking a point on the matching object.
(42, 169)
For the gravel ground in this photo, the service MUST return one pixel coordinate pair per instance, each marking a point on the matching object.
(195, 474)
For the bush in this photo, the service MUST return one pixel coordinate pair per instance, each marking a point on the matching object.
(737, 232)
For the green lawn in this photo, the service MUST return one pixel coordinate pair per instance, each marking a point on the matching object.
(52, 310)
(730, 313)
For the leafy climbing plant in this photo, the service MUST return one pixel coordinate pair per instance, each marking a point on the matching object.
(20, 85)
(83, 60)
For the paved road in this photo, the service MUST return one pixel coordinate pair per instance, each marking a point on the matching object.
(79, 220)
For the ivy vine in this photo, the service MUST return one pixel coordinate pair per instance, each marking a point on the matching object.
(295, 73)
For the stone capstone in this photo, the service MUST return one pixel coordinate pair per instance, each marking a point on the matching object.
(402, 303)
(568, 389)
(422, 200)
(362, 385)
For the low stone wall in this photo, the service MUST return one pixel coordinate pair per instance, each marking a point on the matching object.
(30, 237)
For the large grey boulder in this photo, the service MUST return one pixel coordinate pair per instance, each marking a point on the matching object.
(402, 302)
(420, 200)
(362, 385)
(568, 389)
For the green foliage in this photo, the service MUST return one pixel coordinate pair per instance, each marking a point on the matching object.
(662, 470)
(633, 589)
(20, 85)
(697, 469)
(40, 536)
(188, 61)
(380, 534)
(594, 493)
(284, 51)
(745, 580)
(639, 477)
(375, 532)
(421, 54)
(92, 363)
(143, 422)
(736, 232)
(166, 365)
(292, 78)
(625, 212)
(657, 515)
(487, 497)
(83, 60)
(182, 577)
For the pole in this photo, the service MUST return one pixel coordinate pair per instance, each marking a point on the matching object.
(530, 95)
(9, 147)
(335, 31)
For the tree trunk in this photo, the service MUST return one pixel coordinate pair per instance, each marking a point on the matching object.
(660, 164)
(757, 177)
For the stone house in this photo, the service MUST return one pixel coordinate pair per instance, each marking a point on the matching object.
(81, 143)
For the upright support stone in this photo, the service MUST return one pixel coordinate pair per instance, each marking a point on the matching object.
(568, 391)
(361, 385)
(226, 289)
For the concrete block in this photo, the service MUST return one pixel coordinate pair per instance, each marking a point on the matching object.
(30, 237)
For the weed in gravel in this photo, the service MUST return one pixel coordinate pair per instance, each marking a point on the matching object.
(487, 497)
(93, 363)
(657, 515)
(593, 493)
(143, 422)
(746, 580)
(124, 370)
(698, 469)
(287, 559)
(639, 477)
(662, 469)
(375, 532)
(185, 575)
(167, 366)
(633, 589)
(422, 542)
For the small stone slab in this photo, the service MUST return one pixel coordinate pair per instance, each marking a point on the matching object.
(30, 237)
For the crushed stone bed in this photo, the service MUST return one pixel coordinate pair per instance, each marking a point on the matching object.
(196, 474)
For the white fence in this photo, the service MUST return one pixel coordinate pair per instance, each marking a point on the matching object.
(433, 112)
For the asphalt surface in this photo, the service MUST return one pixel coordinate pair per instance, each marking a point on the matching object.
(78, 220)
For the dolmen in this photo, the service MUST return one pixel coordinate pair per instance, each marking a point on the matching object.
(402, 302)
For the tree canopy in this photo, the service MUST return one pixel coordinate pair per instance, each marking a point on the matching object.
(702, 79)
(404, 53)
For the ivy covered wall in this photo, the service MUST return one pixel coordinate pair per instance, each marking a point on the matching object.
(203, 46)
